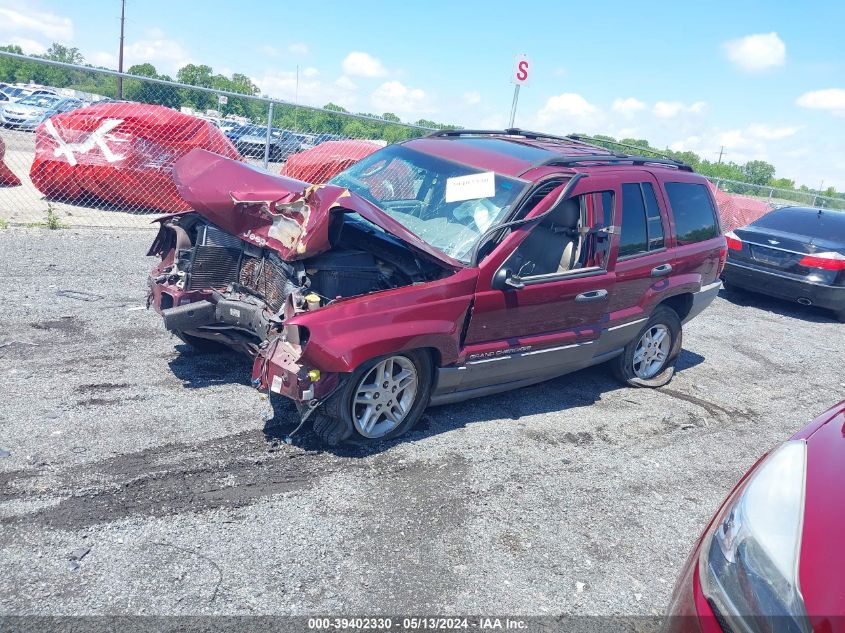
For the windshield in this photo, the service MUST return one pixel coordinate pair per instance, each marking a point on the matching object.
(41, 101)
(448, 205)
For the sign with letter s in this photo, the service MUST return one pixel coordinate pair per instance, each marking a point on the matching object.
(521, 70)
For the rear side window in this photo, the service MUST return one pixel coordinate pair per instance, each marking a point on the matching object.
(693, 210)
(642, 227)
(829, 225)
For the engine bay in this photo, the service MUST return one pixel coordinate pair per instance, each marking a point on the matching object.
(217, 286)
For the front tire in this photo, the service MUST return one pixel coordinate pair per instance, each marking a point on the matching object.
(382, 399)
(649, 358)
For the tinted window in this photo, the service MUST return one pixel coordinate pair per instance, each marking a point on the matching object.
(655, 222)
(634, 237)
(828, 225)
(695, 217)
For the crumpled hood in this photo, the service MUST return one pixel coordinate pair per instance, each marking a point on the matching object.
(282, 213)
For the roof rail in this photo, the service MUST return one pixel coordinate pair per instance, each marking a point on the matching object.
(594, 142)
(603, 154)
(567, 161)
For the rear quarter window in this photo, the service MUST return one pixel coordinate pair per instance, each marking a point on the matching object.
(693, 210)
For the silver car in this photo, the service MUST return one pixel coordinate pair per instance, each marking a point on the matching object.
(31, 111)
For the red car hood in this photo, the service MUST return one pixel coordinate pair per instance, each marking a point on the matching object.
(285, 214)
(823, 540)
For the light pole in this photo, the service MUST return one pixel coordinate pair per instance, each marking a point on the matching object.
(120, 52)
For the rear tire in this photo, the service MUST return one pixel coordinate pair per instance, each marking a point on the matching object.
(200, 345)
(649, 359)
(344, 417)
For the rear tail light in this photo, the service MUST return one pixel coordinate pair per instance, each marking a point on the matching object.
(824, 261)
(734, 243)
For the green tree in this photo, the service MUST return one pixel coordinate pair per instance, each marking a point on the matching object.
(60, 53)
(759, 172)
(148, 92)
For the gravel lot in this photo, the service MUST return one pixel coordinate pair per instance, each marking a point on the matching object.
(574, 496)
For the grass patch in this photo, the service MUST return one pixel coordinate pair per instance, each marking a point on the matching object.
(4, 224)
(52, 221)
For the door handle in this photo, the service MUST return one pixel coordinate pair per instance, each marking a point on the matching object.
(663, 269)
(592, 295)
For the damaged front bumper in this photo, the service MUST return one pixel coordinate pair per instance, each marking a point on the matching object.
(279, 368)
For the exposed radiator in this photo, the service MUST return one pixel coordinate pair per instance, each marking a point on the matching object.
(214, 267)
(267, 277)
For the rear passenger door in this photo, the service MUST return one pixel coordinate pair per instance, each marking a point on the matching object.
(643, 260)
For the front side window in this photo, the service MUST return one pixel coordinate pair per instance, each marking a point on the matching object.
(449, 205)
(642, 225)
(570, 239)
(693, 210)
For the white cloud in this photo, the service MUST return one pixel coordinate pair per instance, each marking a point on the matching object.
(567, 108)
(769, 133)
(312, 90)
(28, 46)
(52, 27)
(473, 97)
(298, 48)
(671, 109)
(346, 83)
(628, 107)
(102, 58)
(310, 71)
(831, 99)
(396, 97)
(165, 54)
(268, 51)
(757, 52)
(363, 65)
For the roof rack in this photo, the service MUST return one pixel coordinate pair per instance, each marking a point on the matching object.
(602, 155)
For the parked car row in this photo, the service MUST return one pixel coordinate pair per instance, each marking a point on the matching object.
(30, 111)
(251, 140)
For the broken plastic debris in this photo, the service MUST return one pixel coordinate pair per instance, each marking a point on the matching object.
(4, 453)
(579, 587)
(79, 554)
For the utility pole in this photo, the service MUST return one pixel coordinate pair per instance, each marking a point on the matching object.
(120, 53)
(721, 151)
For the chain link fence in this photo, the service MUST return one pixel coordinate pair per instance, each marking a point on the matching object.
(80, 156)
(100, 151)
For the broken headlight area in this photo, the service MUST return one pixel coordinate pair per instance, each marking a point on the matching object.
(214, 285)
(279, 368)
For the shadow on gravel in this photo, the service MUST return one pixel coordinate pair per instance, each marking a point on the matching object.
(583, 388)
(747, 298)
(198, 370)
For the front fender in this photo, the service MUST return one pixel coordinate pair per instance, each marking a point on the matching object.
(350, 332)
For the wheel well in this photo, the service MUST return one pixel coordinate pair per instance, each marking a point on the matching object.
(681, 304)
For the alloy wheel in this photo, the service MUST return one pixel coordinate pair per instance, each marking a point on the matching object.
(384, 397)
(652, 351)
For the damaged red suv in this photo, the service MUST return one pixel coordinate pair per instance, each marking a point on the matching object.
(447, 267)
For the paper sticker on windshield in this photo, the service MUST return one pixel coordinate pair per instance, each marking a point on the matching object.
(470, 187)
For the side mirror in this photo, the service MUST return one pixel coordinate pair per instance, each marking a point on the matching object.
(504, 279)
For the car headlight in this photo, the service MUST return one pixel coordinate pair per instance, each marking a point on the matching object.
(749, 560)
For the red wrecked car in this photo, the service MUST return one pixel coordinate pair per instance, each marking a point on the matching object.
(324, 161)
(120, 153)
(772, 558)
(7, 176)
(443, 268)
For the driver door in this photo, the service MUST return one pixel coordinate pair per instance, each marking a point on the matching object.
(550, 321)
